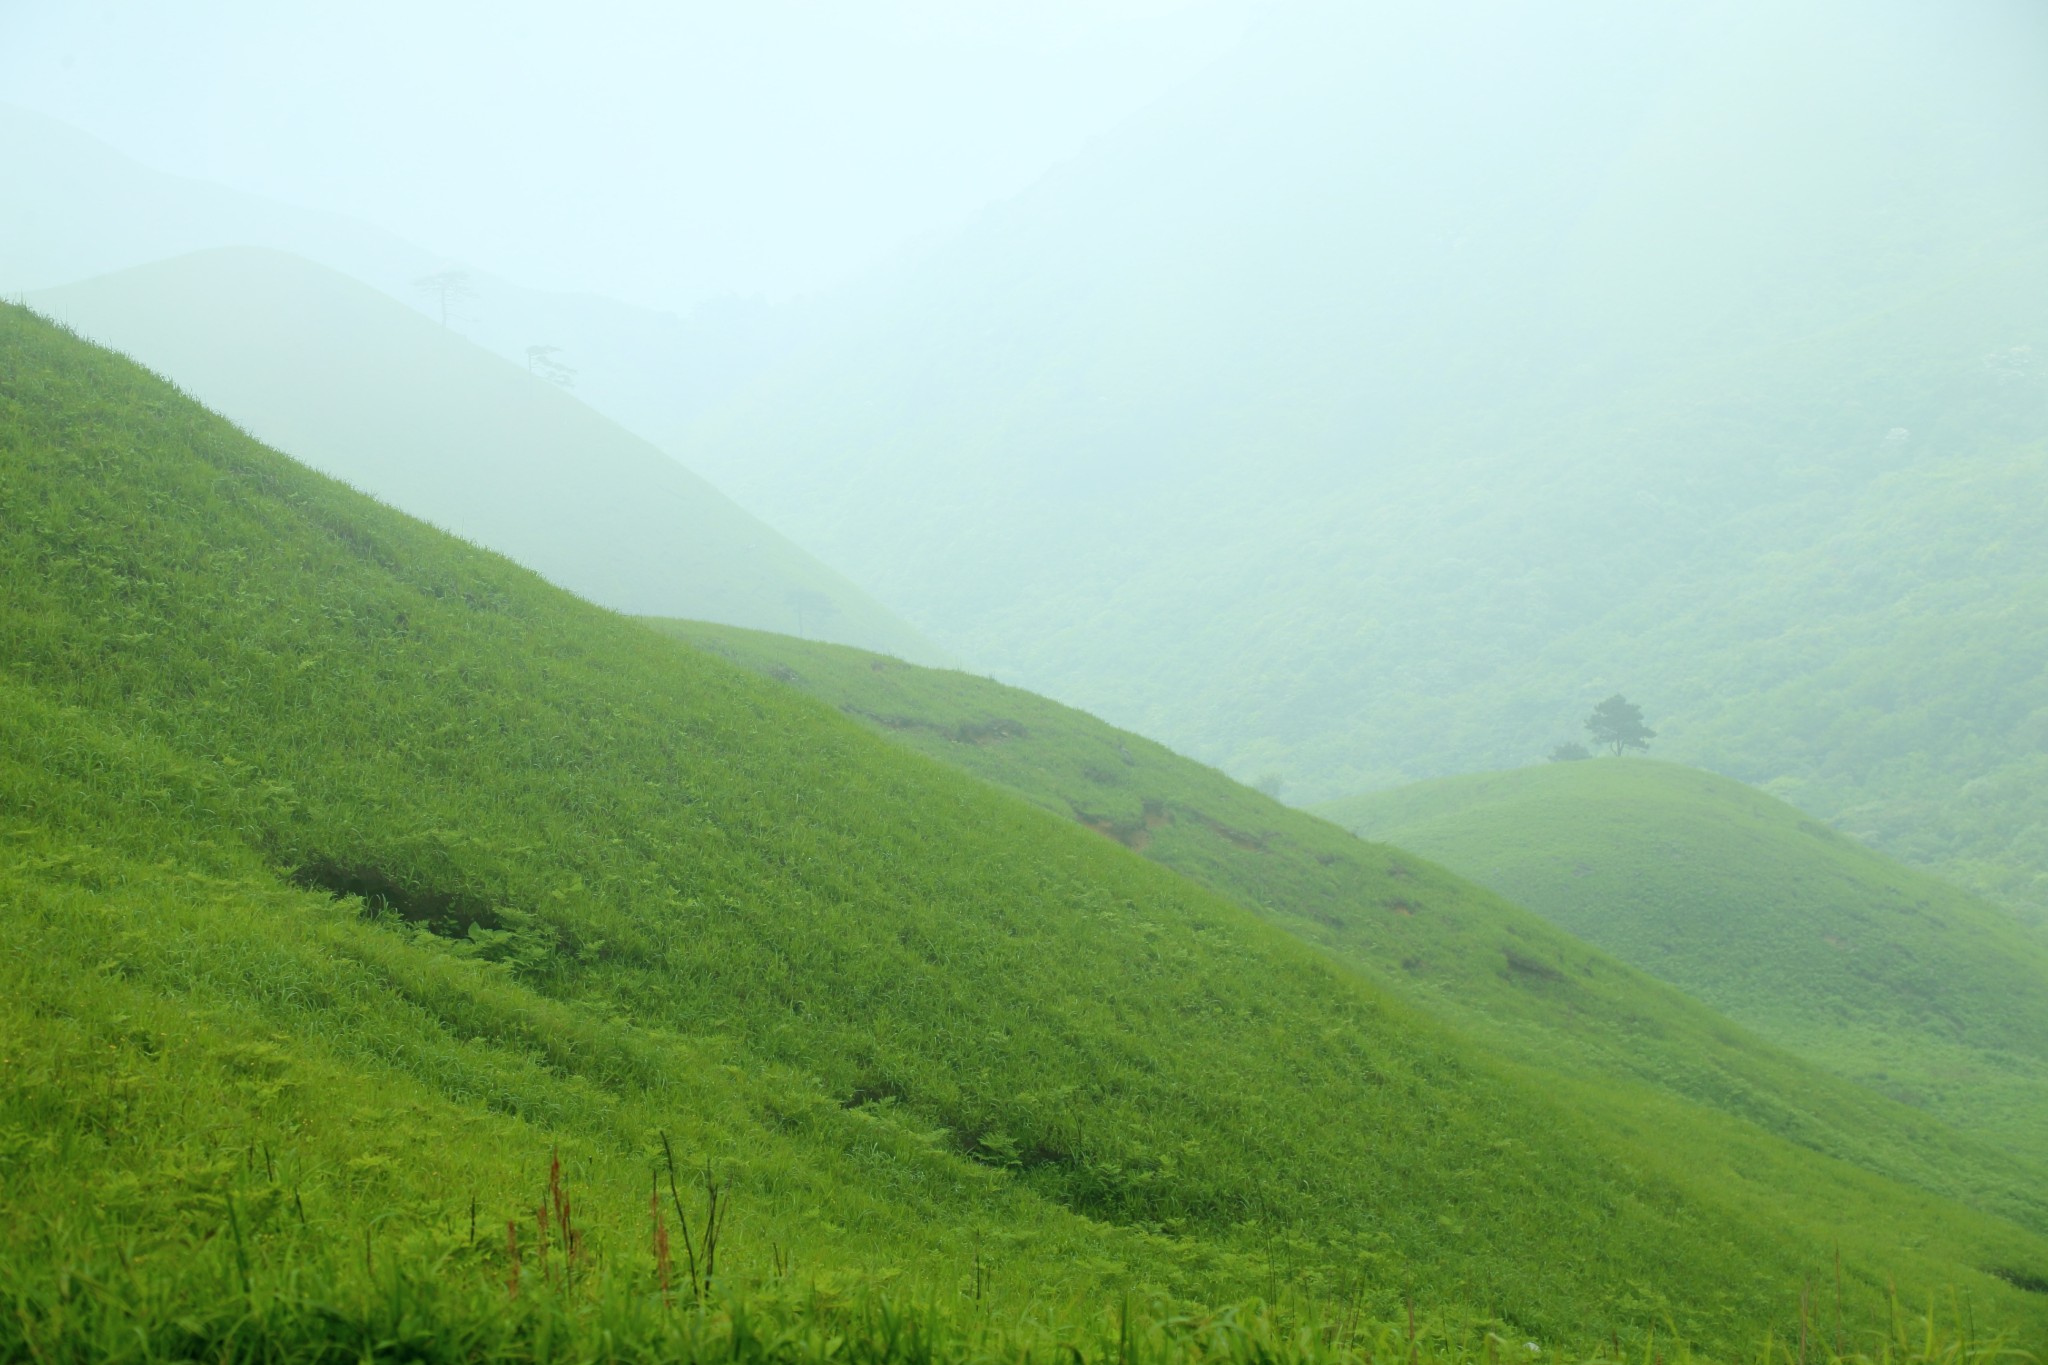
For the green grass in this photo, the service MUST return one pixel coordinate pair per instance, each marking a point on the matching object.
(1489, 967)
(349, 873)
(1879, 972)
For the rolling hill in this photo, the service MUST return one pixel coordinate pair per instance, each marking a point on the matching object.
(1336, 422)
(349, 871)
(1879, 972)
(375, 394)
(1501, 973)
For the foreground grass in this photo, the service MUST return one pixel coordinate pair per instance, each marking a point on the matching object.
(96, 1317)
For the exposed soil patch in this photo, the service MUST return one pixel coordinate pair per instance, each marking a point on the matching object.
(1251, 843)
(976, 732)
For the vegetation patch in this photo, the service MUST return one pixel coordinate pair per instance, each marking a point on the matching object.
(451, 914)
(2022, 1279)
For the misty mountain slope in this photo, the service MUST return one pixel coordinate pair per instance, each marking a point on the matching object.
(72, 208)
(1881, 973)
(367, 390)
(1513, 980)
(1340, 422)
(350, 869)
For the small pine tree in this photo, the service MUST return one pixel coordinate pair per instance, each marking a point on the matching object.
(1617, 724)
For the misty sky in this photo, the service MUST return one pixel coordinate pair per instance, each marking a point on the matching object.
(653, 151)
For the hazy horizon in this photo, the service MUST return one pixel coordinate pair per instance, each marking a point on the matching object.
(658, 154)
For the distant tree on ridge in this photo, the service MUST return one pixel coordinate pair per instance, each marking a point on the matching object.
(448, 288)
(1617, 724)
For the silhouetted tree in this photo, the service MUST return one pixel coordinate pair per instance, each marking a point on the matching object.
(450, 289)
(1617, 724)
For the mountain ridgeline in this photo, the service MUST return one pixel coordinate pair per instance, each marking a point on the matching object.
(353, 874)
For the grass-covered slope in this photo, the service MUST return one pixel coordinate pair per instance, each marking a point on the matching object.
(349, 870)
(1879, 972)
(368, 390)
(1490, 967)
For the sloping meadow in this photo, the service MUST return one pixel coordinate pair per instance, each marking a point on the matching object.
(1567, 991)
(352, 874)
(1879, 972)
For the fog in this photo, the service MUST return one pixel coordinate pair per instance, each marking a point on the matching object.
(1344, 395)
(656, 152)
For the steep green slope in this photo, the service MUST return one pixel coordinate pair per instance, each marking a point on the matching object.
(1879, 972)
(1462, 955)
(367, 390)
(342, 852)
(1375, 406)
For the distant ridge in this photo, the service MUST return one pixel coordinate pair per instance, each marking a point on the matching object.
(370, 391)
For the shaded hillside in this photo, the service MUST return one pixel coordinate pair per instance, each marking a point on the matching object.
(1879, 972)
(1336, 422)
(379, 396)
(345, 853)
(1489, 967)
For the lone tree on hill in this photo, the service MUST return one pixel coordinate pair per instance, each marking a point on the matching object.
(1617, 723)
(450, 289)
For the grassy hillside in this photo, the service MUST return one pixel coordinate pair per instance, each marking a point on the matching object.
(1335, 423)
(368, 390)
(1490, 967)
(1879, 972)
(1438, 940)
(350, 871)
